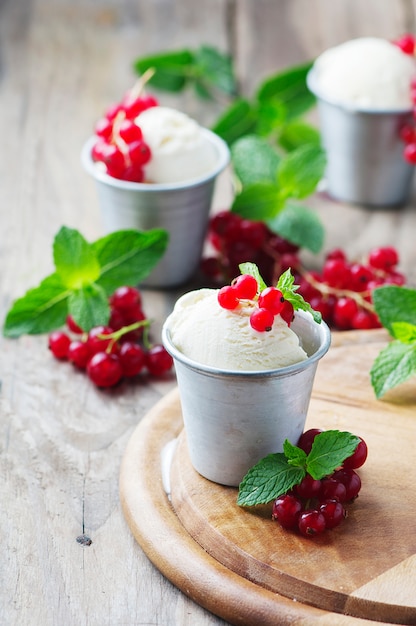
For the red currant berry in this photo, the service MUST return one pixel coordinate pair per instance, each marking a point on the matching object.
(132, 358)
(360, 275)
(133, 173)
(311, 523)
(344, 310)
(281, 246)
(112, 111)
(129, 131)
(384, 258)
(246, 286)
(336, 253)
(308, 488)
(351, 481)
(139, 153)
(407, 133)
(287, 313)
(228, 298)
(406, 43)
(104, 369)
(158, 360)
(286, 510)
(79, 353)
(58, 343)
(410, 153)
(336, 273)
(261, 320)
(97, 341)
(307, 438)
(253, 233)
(358, 458)
(332, 489)
(104, 128)
(333, 513)
(272, 299)
(125, 297)
(73, 326)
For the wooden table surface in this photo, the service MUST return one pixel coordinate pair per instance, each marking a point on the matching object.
(61, 440)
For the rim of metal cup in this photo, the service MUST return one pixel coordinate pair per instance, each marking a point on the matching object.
(223, 160)
(325, 336)
(312, 83)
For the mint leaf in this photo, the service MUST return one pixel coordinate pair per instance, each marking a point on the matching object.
(286, 284)
(214, 71)
(271, 477)
(126, 257)
(271, 118)
(123, 258)
(395, 304)
(40, 310)
(404, 332)
(253, 270)
(237, 120)
(172, 69)
(289, 87)
(300, 171)
(329, 450)
(260, 201)
(295, 456)
(89, 306)
(395, 364)
(300, 226)
(297, 133)
(254, 160)
(75, 260)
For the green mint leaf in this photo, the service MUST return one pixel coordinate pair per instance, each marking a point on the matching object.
(300, 171)
(268, 479)
(214, 72)
(297, 133)
(286, 285)
(295, 456)
(40, 310)
(299, 225)
(404, 332)
(172, 69)
(253, 270)
(261, 201)
(254, 160)
(395, 364)
(329, 450)
(395, 304)
(271, 118)
(89, 307)
(237, 120)
(127, 257)
(289, 87)
(75, 260)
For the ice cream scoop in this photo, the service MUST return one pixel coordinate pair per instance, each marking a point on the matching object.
(367, 73)
(179, 147)
(211, 335)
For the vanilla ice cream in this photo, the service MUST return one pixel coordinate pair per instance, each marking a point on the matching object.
(180, 148)
(211, 335)
(366, 73)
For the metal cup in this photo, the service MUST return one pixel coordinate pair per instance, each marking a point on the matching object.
(365, 163)
(234, 419)
(182, 209)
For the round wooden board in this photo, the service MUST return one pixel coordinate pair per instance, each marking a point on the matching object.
(241, 565)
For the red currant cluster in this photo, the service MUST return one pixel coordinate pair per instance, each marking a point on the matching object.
(269, 303)
(237, 240)
(407, 44)
(342, 292)
(110, 353)
(314, 506)
(120, 145)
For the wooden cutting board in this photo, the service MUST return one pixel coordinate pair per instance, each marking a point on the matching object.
(240, 564)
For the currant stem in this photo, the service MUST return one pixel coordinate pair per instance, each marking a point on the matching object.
(115, 336)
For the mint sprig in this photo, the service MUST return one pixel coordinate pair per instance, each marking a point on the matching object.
(277, 473)
(396, 363)
(85, 275)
